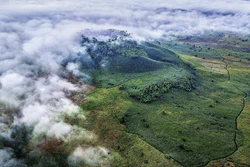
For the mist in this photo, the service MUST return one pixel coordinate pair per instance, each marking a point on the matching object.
(37, 39)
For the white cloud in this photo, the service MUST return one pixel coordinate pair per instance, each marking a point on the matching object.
(33, 113)
(90, 156)
(60, 130)
(142, 18)
(13, 86)
(32, 78)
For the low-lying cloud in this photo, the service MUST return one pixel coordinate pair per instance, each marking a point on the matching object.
(37, 37)
(145, 19)
(90, 156)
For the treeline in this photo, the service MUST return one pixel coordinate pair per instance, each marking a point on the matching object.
(154, 91)
(117, 46)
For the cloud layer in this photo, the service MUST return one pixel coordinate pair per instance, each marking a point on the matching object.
(144, 19)
(37, 37)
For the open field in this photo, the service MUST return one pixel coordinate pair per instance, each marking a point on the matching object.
(189, 127)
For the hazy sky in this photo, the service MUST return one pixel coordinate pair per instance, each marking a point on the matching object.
(37, 36)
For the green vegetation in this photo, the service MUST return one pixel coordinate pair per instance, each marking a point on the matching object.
(145, 71)
(239, 72)
(184, 108)
(150, 88)
(106, 108)
(189, 125)
(161, 54)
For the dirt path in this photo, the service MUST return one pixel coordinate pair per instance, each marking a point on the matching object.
(245, 95)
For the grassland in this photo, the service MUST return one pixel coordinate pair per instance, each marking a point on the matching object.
(188, 126)
(239, 72)
(204, 126)
(106, 108)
